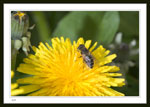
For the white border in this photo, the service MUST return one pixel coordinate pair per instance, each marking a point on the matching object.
(75, 7)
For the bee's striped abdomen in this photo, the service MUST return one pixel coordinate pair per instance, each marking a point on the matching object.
(89, 61)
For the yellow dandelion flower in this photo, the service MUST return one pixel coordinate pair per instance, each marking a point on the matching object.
(59, 70)
(14, 90)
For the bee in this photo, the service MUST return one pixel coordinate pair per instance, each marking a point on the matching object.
(87, 57)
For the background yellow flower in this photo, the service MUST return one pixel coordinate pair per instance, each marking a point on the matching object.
(14, 87)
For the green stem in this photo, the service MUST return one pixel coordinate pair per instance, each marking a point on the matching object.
(13, 56)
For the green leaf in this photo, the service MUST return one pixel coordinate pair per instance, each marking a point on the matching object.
(90, 29)
(108, 27)
(97, 26)
(71, 25)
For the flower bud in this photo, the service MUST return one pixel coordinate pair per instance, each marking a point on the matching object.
(19, 25)
(26, 44)
(17, 44)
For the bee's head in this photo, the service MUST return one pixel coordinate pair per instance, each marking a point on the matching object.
(81, 47)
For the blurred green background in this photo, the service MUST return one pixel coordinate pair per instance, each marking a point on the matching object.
(100, 26)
